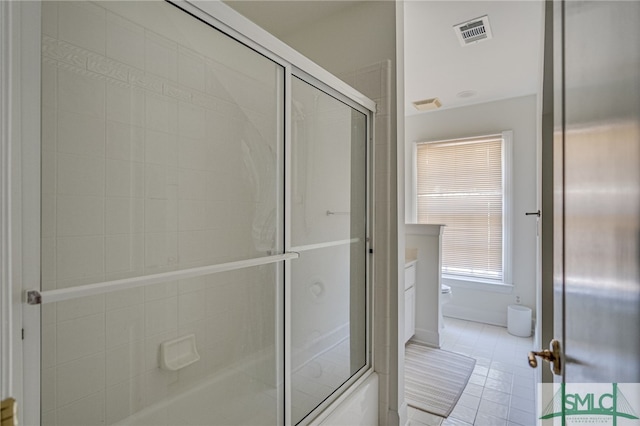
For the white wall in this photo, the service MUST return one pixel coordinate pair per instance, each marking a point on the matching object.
(519, 115)
(346, 41)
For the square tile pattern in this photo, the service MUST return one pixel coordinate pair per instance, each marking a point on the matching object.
(501, 389)
(142, 173)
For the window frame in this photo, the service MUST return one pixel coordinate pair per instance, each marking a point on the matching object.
(506, 284)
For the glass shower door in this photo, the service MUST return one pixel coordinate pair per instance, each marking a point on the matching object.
(167, 224)
(162, 172)
(328, 230)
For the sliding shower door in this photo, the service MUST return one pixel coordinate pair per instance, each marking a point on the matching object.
(161, 154)
(172, 246)
(328, 230)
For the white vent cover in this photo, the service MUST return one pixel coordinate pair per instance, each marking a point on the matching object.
(473, 31)
(427, 104)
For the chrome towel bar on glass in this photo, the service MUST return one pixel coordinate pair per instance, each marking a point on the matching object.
(35, 297)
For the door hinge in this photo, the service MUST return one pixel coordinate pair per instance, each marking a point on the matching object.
(370, 251)
(23, 334)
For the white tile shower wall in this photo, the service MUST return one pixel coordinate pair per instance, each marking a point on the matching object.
(322, 164)
(154, 131)
(321, 310)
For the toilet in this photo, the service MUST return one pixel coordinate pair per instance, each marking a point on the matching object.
(445, 297)
(445, 294)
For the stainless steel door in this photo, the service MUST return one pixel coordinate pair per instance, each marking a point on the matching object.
(597, 126)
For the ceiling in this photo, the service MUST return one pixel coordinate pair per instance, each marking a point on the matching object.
(508, 65)
(505, 66)
(283, 17)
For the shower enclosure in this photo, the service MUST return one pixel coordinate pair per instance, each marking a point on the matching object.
(204, 222)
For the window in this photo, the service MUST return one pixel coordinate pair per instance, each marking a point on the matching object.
(464, 184)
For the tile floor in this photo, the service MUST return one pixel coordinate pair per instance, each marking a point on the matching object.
(501, 389)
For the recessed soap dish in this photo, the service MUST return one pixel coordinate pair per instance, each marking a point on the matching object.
(178, 353)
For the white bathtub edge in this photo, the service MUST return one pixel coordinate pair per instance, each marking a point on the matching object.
(358, 405)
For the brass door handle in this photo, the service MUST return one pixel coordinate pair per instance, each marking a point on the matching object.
(8, 412)
(551, 356)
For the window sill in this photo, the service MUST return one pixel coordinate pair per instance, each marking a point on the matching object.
(477, 284)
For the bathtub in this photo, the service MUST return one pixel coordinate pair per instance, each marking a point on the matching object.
(230, 398)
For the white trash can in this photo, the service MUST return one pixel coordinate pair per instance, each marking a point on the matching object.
(519, 320)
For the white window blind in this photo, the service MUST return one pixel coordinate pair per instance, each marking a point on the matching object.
(460, 184)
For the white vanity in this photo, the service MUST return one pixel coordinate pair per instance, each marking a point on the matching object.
(410, 299)
(422, 291)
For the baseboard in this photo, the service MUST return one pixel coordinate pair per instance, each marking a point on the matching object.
(393, 418)
(474, 314)
(403, 414)
(427, 337)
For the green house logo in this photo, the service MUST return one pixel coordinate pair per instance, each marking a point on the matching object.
(610, 404)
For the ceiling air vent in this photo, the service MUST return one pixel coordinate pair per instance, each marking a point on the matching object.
(473, 31)
(427, 104)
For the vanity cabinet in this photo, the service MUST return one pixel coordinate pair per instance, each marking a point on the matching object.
(409, 300)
